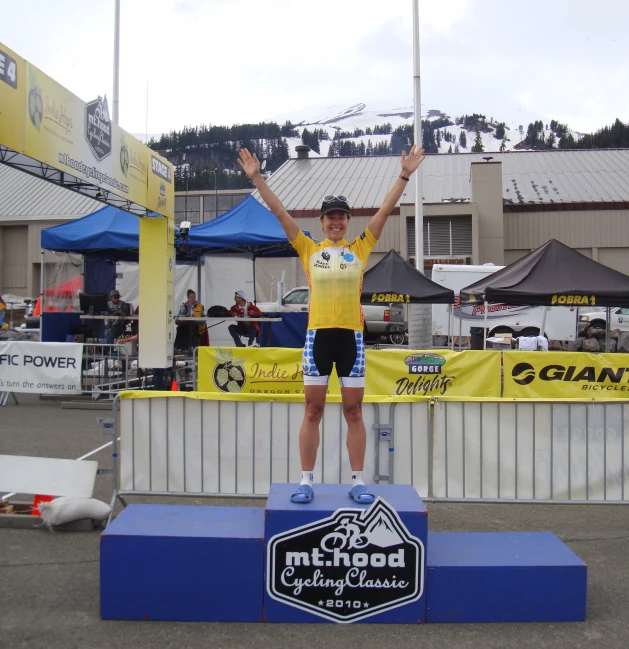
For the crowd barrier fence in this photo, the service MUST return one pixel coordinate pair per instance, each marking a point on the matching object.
(494, 451)
(107, 370)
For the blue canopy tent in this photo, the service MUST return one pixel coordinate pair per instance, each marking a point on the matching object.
(109, 231)
(112, 234)
(249, 227)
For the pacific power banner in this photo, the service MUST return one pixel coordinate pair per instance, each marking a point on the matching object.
(390, 373)
(45, 121)
(40, 368)
(565, 375)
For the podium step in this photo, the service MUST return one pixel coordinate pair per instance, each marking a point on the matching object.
(503, 577)
(333, 560)
(183, 563)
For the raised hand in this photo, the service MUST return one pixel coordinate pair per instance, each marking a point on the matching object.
(412, 160)
(249, 163)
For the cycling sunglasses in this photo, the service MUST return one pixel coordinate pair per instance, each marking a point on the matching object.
(334, 199)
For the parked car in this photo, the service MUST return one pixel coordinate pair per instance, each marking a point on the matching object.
(381, 320)
(618, 319)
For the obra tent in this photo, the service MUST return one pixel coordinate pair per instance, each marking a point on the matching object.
(552, 275)
(393, 279)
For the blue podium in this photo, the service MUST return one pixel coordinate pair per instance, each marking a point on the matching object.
(350, 568)
(183, 563)
(331, 560)
(504, 577)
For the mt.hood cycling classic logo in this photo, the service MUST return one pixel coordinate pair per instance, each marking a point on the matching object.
(349, 566)
(523, 373)
(98, 127)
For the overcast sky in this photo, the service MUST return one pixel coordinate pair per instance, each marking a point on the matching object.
(236, 61)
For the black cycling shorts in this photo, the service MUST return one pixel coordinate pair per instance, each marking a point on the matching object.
(344, 348)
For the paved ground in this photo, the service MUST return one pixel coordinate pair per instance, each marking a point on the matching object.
(49, 581)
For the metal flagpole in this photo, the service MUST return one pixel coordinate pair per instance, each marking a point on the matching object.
(116, 97)
(419, 315)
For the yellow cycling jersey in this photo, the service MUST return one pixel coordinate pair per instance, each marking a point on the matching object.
(335, 277)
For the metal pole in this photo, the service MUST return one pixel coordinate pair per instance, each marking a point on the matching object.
(420, 315)
(116, 98)
(199, 278)
(41, 296)
(216, 199)
(485, 325)
(419, 203)
(543, 327)
(185, 218)
(607, 328)
(253, 257)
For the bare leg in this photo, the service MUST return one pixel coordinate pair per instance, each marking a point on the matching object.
(309, 432)
(356, 433)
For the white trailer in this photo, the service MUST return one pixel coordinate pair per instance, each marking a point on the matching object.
(560, 322)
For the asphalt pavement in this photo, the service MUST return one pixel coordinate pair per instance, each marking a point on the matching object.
(49, 582)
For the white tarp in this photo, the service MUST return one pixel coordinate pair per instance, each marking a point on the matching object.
(221, 276)
(40, 368)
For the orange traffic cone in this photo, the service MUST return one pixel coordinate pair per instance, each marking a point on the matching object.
(174, 386)
(40, 499)
(37, 310)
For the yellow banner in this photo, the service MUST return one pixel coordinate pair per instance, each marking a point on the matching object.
(565, 375)
(390, 373)
(45, 121)
(12, 98)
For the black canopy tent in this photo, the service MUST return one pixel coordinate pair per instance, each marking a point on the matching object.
(552, 275)
(393, 279)
(393, 276)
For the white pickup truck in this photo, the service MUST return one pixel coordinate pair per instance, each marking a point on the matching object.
(381, 320)
(618, 319)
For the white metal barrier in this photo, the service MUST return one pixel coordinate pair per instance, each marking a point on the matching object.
(530, 451)
(489, 451)
(187, 446)
(106, 370)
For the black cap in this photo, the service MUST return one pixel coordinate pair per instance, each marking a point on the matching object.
(334, 206)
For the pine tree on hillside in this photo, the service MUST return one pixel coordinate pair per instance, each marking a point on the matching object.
(463, 140)
(478, 143)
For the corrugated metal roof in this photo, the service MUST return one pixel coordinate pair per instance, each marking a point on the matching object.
(528, 177)
(27, 198)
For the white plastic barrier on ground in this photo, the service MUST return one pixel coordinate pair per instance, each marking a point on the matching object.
(490, 451)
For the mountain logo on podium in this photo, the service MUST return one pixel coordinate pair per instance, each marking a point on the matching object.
(349, 566)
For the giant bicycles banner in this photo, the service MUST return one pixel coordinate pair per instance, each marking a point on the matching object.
(40, 368)
(45, 121)
(390, 373)
(565, 375)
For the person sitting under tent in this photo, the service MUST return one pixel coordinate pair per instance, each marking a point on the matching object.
(241, 309)
(117, 307)
(190, 334)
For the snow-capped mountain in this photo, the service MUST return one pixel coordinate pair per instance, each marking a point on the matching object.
(335, 118)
